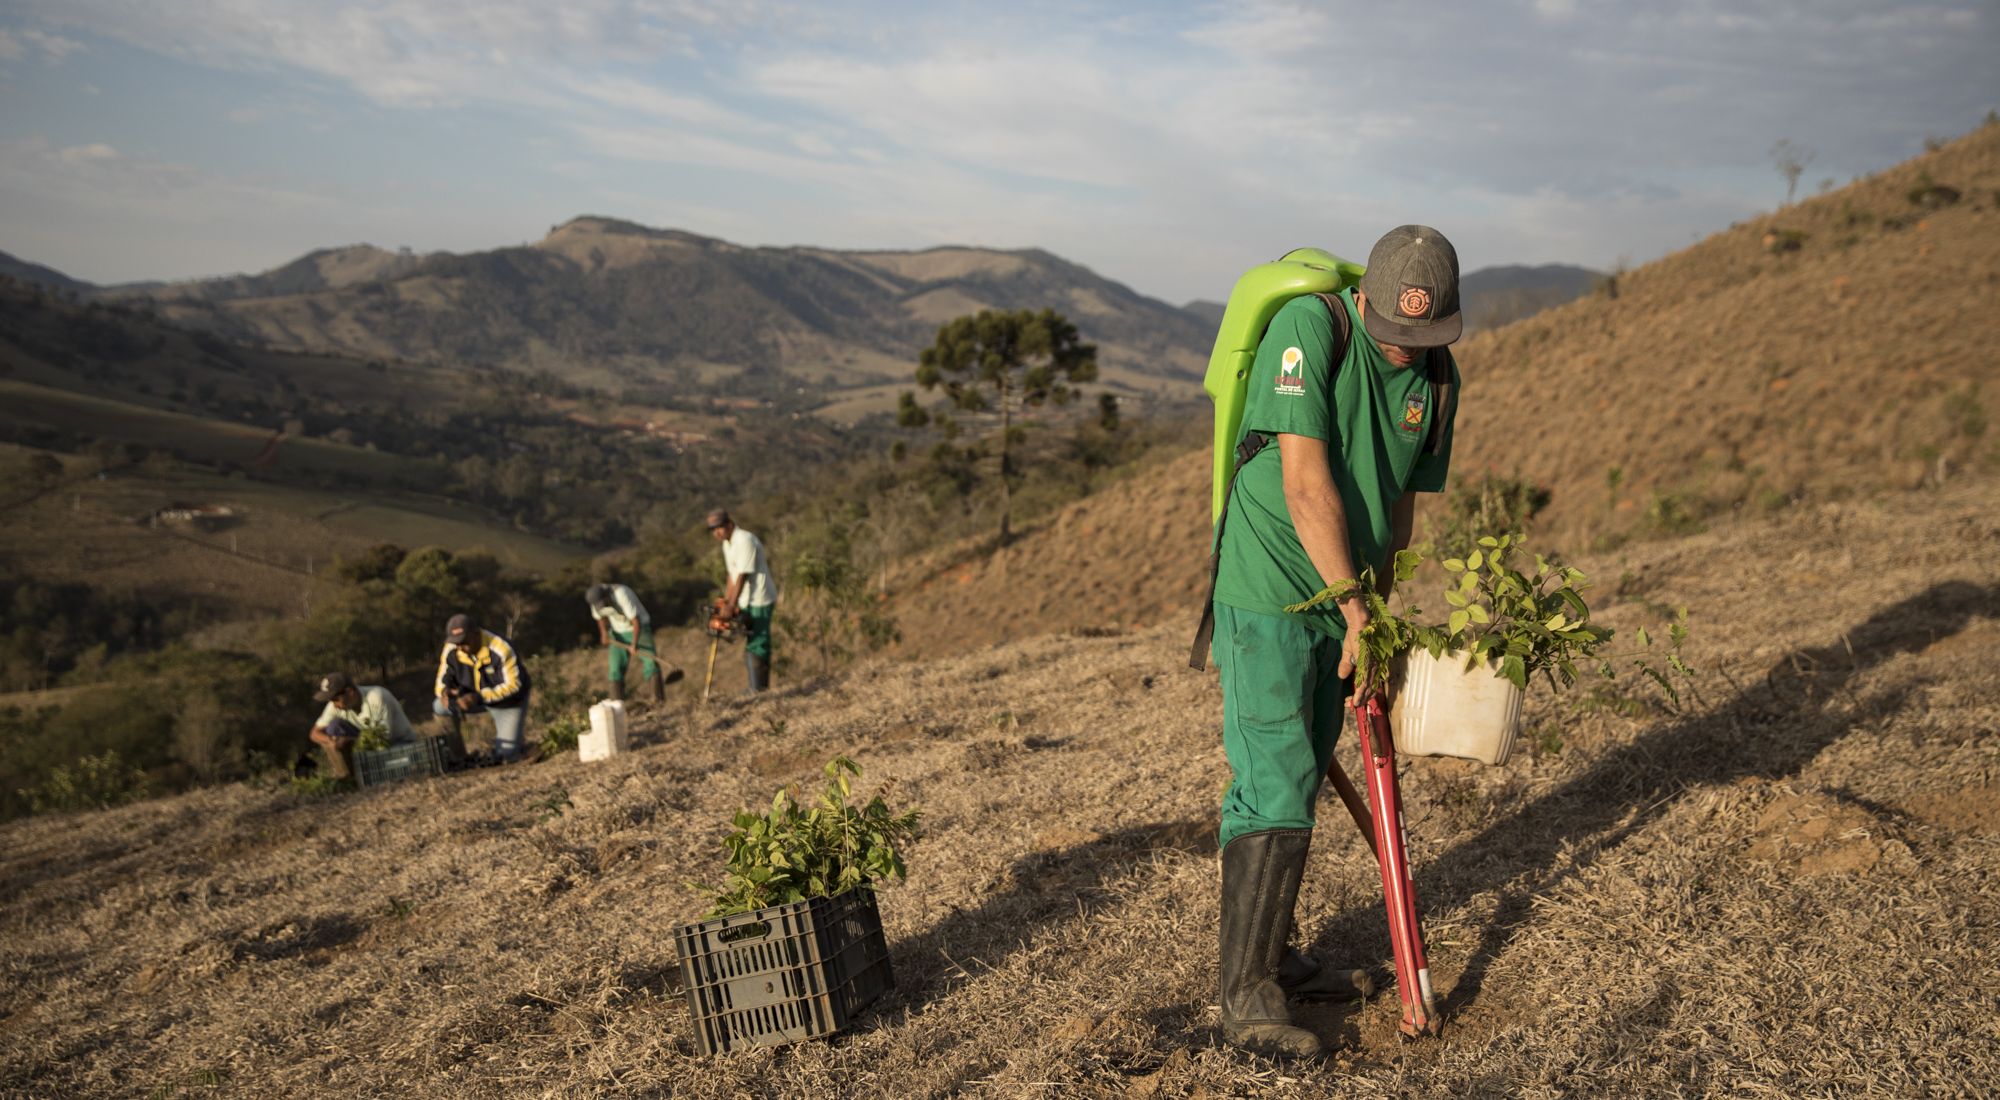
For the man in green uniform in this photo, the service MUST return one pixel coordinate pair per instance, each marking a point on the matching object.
(1354, 430)
(751, 596)
(624, 628)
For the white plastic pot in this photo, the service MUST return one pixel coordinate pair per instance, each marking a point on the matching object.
(1442, 708)
(607, 732)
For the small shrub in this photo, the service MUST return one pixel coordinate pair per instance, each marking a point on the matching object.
(560, 706)
(1672, 513)
(318, 786)
(1491, 504)
(90, 783)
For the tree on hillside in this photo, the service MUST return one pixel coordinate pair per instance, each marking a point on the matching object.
(1790, 158)
(1002, 364)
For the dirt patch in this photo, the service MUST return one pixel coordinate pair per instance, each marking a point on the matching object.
(1973, 810)
(1818, 835)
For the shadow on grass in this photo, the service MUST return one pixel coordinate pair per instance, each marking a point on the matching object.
(1770, 730)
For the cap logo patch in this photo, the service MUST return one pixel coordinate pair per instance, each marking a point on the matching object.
(1415, 301)
(326, 684)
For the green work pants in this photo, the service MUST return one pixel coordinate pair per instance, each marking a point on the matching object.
(619, 655)
(757, 638)
(1281, 713)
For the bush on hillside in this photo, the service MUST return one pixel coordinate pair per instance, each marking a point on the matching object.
(1490, 505)
(833, 610)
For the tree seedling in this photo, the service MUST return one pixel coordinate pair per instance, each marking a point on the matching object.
(792, 852)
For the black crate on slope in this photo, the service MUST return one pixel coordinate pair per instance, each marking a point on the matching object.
(785, 973)
(426, 756)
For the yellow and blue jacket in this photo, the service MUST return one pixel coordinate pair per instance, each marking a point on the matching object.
(493, 670)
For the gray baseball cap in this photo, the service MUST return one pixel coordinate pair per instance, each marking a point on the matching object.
(1412, 288)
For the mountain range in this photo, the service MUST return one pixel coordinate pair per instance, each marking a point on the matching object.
(607, 302)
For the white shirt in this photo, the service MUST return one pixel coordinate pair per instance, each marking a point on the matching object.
(378, 708)
(743, 552)
(622, 610)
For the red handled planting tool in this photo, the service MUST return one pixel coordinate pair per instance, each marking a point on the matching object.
(1406, 936)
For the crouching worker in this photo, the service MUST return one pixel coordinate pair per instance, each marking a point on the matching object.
(480, 672)
(624, 627)
(351, 708)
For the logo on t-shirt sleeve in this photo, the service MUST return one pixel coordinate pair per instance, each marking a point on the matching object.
(1291, 373)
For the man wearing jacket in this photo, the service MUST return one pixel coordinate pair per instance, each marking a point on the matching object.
(478, 671)
(1355, 414)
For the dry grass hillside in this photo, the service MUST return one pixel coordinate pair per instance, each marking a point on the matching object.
(1787, 889)
(1723, 380)
(1741, 372)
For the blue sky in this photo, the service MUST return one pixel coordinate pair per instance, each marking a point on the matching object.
(1168, 146)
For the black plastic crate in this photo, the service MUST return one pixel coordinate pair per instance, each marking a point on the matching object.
(426, 756)
(786, 973)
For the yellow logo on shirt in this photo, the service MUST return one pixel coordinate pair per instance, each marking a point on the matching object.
(1413, 413)
(1291, 375)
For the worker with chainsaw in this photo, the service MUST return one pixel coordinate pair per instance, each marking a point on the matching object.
(750, 596)
(479, 672)
(1348, 417)
(624, 629)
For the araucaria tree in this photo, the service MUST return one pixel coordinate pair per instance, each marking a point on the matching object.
(1003, 364)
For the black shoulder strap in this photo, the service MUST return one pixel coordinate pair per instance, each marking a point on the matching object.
(1444, 397)
(1341, 324)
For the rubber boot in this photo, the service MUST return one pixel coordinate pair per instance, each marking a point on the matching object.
(659, 686)
(1260, 884)
(1303, 977)
(617, 691)
(758, 670)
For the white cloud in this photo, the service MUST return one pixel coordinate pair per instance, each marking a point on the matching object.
(96, 151)
(52, 48)
(1160, 146)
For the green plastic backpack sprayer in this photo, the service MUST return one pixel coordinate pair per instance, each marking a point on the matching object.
(1254, 301)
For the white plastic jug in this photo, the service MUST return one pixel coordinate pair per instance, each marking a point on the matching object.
(607, 732)
(1442, 708)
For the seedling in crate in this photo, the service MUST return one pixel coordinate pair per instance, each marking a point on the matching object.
(792, 852)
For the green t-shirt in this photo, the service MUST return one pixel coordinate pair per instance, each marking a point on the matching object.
(1375, 418)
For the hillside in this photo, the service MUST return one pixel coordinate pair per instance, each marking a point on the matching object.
(1724, 380)
(1783, 890)
(602, 301)
(1495, 296)
(1842, 345)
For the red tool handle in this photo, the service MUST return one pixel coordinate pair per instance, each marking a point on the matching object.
(1399, 897)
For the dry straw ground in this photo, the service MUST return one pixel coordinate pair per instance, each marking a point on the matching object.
(1788, 889)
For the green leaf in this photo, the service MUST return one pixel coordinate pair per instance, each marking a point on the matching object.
(1475, 560)
(1644, 638)
(1455, 625)
(1489, 541)
(1515, 670)
(1456, 599)
(1406, 564)
(1454, 565)
(1478, 613)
